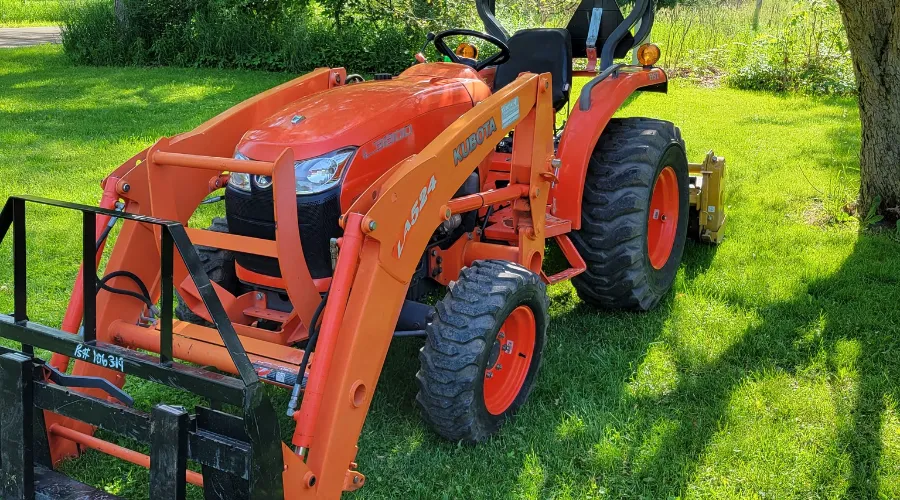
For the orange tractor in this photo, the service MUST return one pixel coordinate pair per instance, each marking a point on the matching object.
(347, 203)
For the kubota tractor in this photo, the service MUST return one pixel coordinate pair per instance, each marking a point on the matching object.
(347, 202)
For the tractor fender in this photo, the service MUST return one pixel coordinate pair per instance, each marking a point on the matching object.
(587, 121)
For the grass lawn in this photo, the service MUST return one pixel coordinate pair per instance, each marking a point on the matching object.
(16, 13)
(770, 371)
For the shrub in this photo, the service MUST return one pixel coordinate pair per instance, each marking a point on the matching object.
(251, 34)
(92, 35)
(808, 53)
(799, 46)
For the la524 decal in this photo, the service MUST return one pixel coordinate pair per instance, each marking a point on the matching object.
(414, 213)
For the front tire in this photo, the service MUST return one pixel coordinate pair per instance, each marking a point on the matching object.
(634, 216)
(483, 351)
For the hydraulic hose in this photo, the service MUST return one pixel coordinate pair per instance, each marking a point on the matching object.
(310, 346)
(144, 296)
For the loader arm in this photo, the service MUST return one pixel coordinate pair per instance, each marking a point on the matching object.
(386, 233)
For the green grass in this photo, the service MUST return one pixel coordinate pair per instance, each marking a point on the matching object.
(15, 13)
(770, 371)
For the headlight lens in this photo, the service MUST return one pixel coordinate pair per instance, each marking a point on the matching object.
(319, 174)
(240, 180)
(313, 175)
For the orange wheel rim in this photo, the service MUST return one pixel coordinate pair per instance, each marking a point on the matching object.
(662, 223)
(509, 360)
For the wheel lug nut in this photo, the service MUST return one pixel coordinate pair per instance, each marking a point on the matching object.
(498, 367)
(489, 374)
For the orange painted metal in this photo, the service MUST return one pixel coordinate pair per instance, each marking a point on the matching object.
(203, 346)
(273, 282)
(300, 287)
(438, 171)
(503, 380)
(572, 256)
(248, 276)
(363, 339)
(428, 137)
(483, 251)
(299, 284)
(332, 317)
(448, 263)
(502, 227)
(584, 128)
(488, 74)
(233, 242)
(147, 188)
(475, 201)
(463, 253)
(213, 163)
(234, 305)
(662, 222)
(380, 284)
(295, 476)
(114, 450)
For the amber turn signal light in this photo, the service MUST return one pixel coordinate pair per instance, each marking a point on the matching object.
(466, 50)
(648, 54)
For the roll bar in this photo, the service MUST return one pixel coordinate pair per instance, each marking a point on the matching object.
(486, 11)
(644, 10)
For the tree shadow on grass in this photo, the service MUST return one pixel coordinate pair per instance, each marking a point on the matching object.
(579, 397)
(845, 326)
(792, 404)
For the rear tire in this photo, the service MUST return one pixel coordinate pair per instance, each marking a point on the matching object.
(632, 258)
(219, 265)
(483, 351)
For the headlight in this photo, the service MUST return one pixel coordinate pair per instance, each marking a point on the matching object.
(240, 180)
(318, 174)
(313, 175)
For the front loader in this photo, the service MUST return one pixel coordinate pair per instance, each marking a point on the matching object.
(347, 203)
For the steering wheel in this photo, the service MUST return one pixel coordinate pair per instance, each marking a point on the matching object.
(498, 58)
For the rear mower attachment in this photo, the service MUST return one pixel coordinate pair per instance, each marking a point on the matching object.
(707, 199)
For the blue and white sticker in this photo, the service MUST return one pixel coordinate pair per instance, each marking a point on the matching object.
(509, 112)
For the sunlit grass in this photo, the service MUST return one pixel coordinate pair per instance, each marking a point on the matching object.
(771, 369)
(16, 13)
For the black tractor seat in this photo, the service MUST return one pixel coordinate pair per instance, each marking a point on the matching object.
(538, 51)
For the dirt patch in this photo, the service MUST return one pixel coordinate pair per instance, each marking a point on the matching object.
(822, 212)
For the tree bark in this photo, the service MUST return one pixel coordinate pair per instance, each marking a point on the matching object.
(756, 14)
(119, 9)
(873, 29)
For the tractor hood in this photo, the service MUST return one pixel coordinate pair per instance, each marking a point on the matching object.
(351, 115)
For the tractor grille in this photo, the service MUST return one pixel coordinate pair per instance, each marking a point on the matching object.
(252, 214)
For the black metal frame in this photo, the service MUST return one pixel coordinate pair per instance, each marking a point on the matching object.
(487, 12)
(240, 457)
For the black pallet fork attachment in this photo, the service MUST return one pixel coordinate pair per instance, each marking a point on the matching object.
(241, 457)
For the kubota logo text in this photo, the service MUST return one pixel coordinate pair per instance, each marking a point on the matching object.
(467, 146)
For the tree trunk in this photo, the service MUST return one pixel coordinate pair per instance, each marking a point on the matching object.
(119, 9)
(756, 14)
(873, 29)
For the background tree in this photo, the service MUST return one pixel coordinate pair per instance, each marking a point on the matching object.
(873, 30)
(756, 13)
